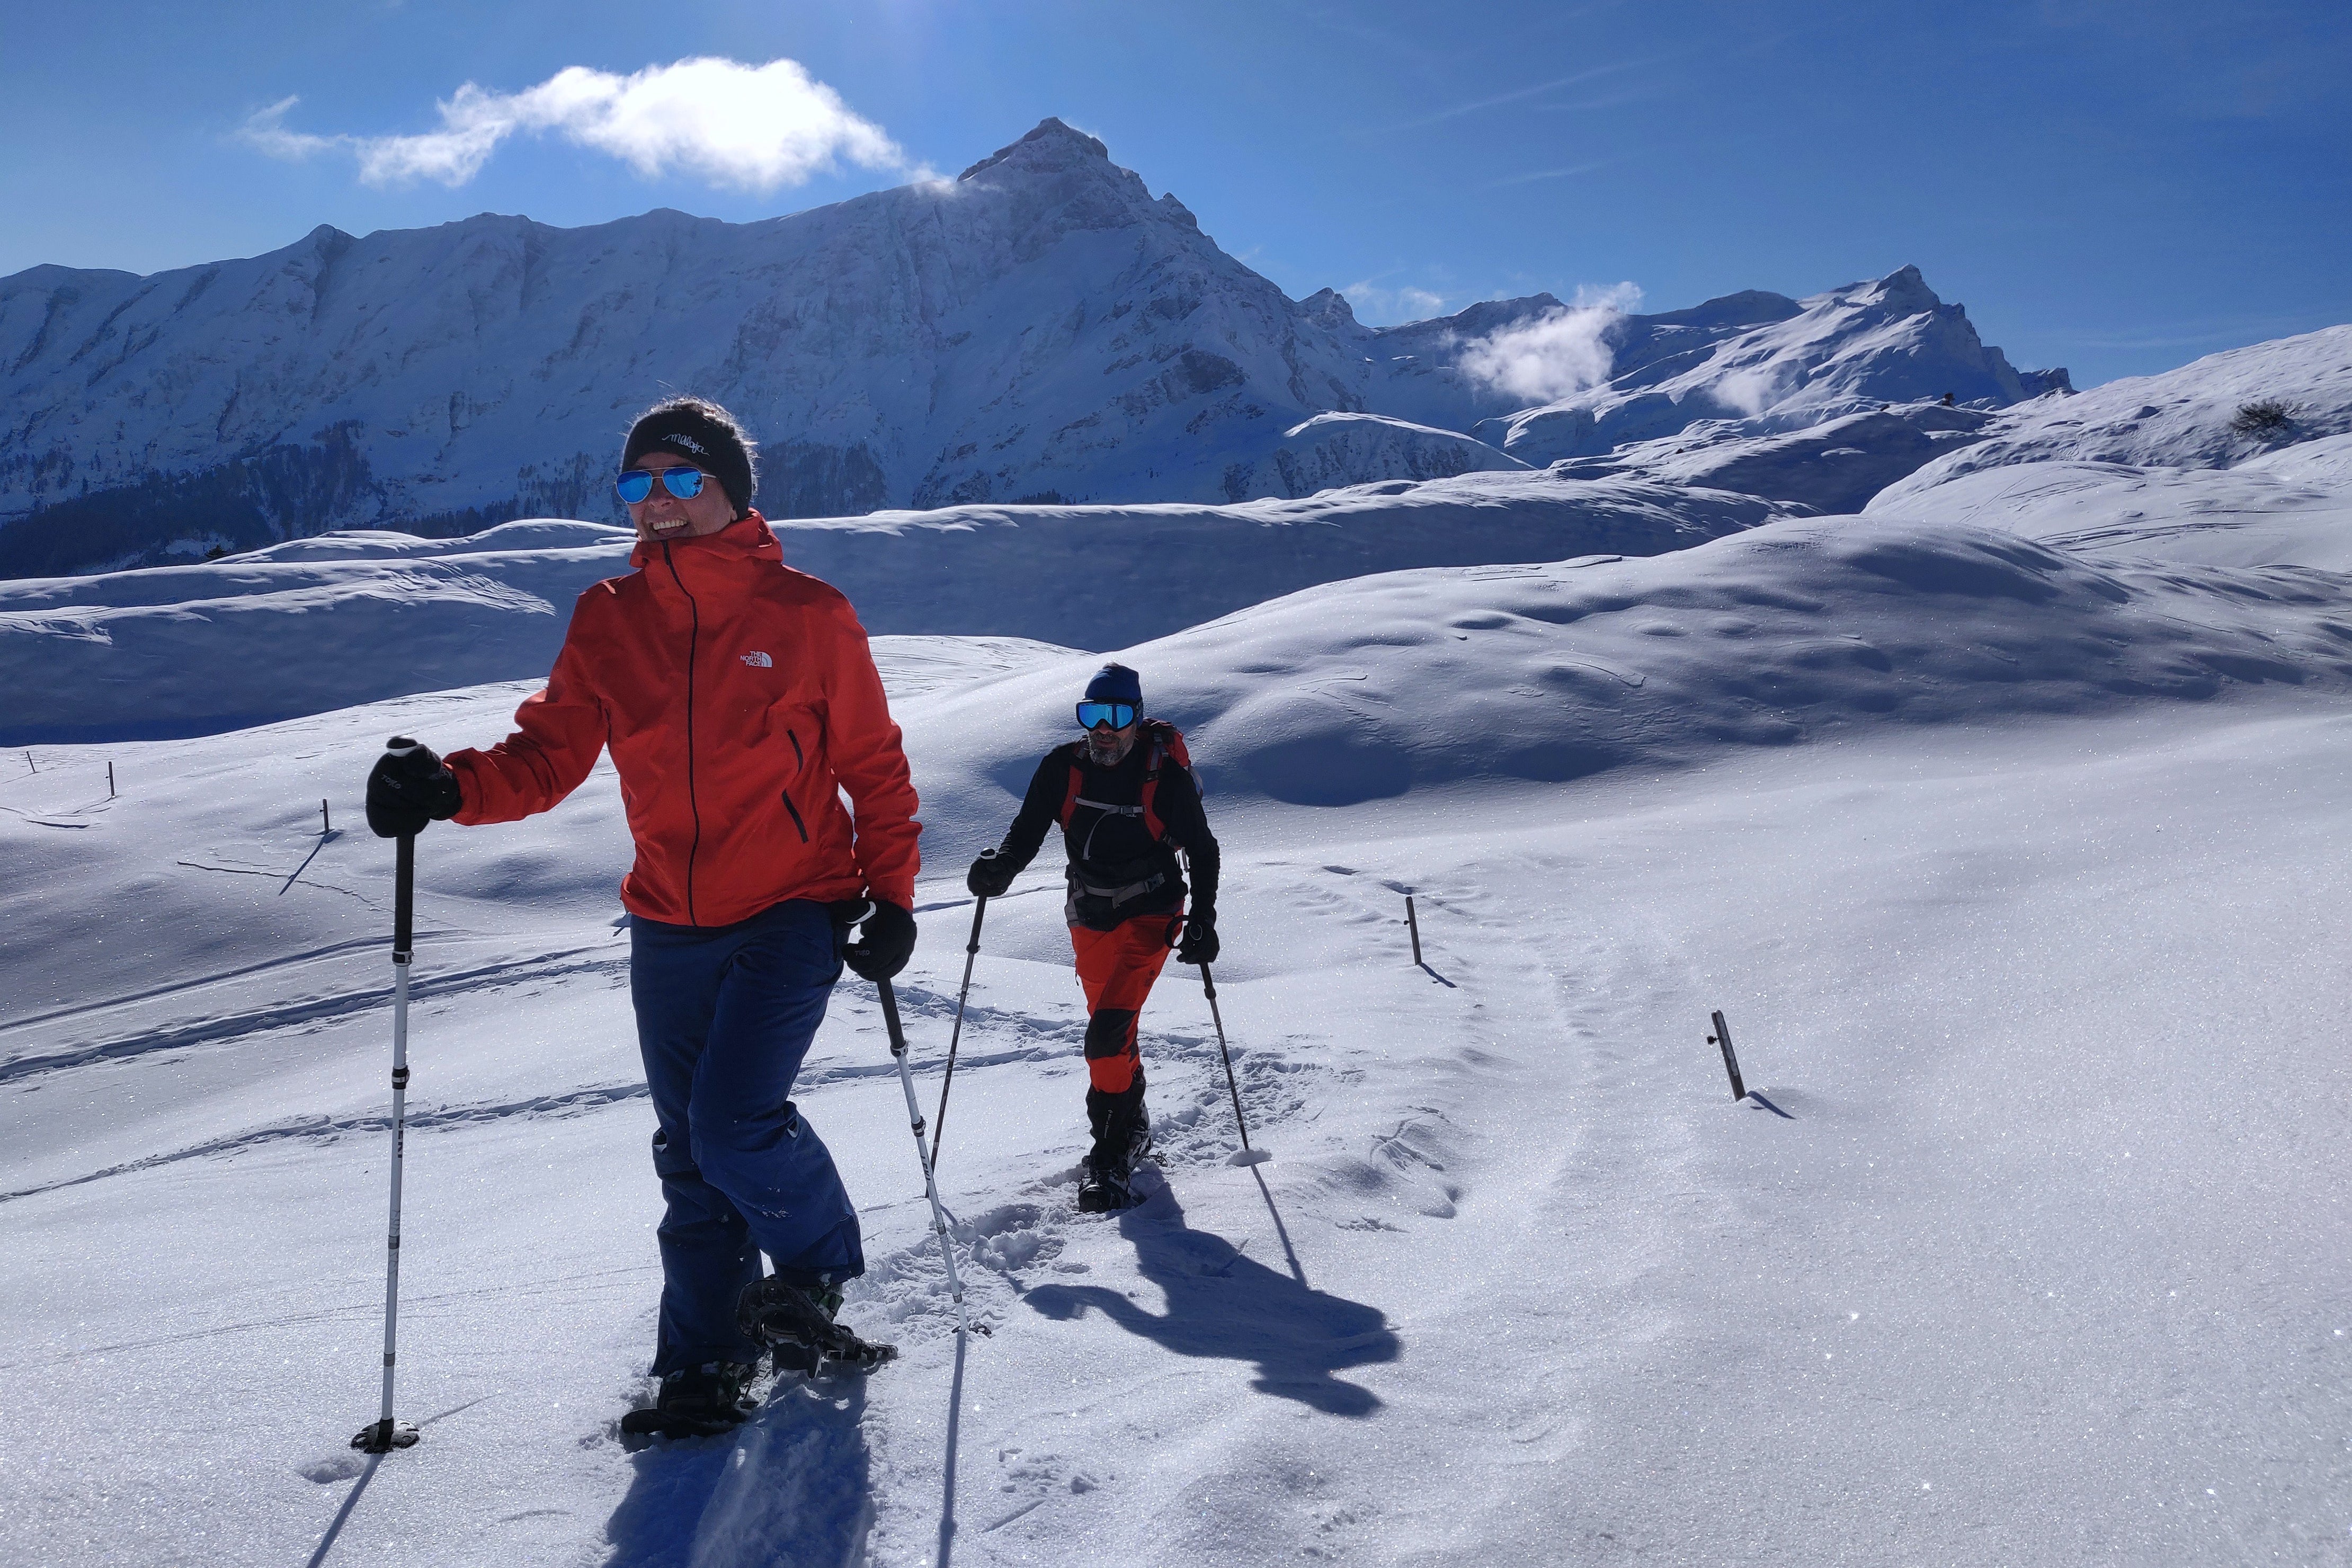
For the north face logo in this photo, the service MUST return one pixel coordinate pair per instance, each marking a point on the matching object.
(758, 661)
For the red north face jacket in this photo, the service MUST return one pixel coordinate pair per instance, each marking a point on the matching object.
(739, 698)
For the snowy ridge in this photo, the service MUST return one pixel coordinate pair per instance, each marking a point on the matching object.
(1834, 467)
(2181, 419)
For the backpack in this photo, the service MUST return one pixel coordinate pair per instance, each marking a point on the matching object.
(1167, 744)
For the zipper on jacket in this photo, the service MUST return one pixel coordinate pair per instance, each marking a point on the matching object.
(800, 760)
(693, 645)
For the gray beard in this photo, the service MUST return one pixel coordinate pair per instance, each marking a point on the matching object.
(1108, 751)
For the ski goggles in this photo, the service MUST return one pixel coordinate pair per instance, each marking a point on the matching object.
(637, 484)
(1117, 715)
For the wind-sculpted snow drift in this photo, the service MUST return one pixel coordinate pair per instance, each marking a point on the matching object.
(2292, 505)
(323, 623)
(1797, 629)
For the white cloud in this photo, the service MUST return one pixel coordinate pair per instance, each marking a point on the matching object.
(1379, 307)
(264, 130)
(755, 127)
(1752, 389)
(1558, 352)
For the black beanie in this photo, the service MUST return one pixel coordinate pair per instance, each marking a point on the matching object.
(703, 433)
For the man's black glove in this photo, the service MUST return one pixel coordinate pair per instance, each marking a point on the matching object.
(1200, 944)
(884, 942)
(990, 875)
(409, 788)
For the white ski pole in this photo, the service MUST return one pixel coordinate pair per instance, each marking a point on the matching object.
(385, 1433)
(915, 1120)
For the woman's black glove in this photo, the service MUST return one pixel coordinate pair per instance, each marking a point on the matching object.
(990, 875)
(884, 942)
(1200, 944)
(408, 788)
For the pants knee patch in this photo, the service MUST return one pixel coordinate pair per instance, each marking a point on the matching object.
(1110, 1033)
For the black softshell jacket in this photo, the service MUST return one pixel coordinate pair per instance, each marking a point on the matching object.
(1114, 860)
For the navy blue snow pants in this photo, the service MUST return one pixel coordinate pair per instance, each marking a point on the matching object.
(725, 1014)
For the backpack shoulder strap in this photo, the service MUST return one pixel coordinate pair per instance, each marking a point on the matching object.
(1069, 756)
(1167, 742)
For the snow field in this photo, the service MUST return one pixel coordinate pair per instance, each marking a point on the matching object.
(2044, 1241)
(2008, 861)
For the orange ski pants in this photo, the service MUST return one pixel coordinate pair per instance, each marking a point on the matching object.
(1116, 967)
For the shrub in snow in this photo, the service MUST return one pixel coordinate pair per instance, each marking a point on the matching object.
(2264, 421)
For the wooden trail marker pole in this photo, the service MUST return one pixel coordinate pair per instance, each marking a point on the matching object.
(1722, 1037)
(325, 824)
(1412, 924)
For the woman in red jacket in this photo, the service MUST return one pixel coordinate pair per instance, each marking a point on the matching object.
(739, 701)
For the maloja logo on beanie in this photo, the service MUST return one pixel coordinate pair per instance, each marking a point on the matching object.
(704, 432)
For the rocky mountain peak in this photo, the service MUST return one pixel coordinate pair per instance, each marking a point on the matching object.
(1329, 307)
(1052, 148)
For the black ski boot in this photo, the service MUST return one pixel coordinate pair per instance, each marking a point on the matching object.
(1103, 1185)
(696, 1402)
(795, 1322)
(1122, 1131)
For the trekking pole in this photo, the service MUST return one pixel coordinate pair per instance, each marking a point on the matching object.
(971, 951)
(1248, 1156)
(915, 1120)
(385, 1433)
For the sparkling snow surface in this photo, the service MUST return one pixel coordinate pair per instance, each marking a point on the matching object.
(2013, 866)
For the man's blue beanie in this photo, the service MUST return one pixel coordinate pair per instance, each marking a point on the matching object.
(1115, 683)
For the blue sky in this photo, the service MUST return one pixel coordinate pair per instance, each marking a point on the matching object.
(2117, 188)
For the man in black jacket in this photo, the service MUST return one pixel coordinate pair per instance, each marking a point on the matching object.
(1127, 802)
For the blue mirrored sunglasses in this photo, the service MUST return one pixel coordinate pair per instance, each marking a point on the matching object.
(1117, 715)
(637, 484)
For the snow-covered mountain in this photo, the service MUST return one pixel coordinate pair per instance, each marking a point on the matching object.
(1773, 364)
(1040, 329)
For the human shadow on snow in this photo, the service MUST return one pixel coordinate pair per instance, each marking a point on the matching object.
(801, 1492)
(1223, 1304)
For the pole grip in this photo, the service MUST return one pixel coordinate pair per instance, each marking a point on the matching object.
(890, 1018)
(404, 897)
(978, 909)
